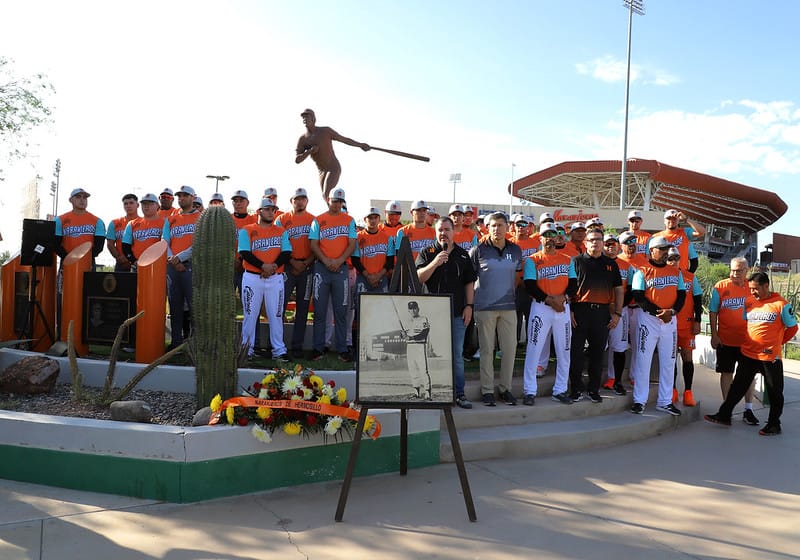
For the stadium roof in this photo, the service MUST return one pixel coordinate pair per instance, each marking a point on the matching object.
(652, 185)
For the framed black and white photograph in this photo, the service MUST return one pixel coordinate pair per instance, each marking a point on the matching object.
(103, 317)
(405, 350)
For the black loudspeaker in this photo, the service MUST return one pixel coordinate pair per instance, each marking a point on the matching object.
(38, 242)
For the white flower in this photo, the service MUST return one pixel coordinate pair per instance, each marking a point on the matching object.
(296, 397)
(332, 425)
(327, 390)
(307, 393)
(263, 394)
(290, 384)
(261, 434)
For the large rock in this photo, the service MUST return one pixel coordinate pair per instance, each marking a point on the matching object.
(202, 416)
(30, 376)
(131, 411)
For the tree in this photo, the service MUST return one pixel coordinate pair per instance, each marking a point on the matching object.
(708, 274)
(4, 256)
(22, 108)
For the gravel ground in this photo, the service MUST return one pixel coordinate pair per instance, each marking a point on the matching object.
(175, 409)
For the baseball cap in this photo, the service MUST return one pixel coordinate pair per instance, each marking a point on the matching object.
(671, 214)
(372, 212)
(467, 209)
(240, 194)
(481, 217)
(455, 208)
(167, 192)
(413, 305)
(337, 194)
(218, 196)
(149, 197)
(634, 215)
(419, 205)
(659, 242)
(627, 238)
(521, 220)
(393, 207)
(185, 189)
(270, 191)
(547, 226)
(78, 191)
(577, 225)
(673, 252)
(594, 222)
(298, 192)
(560, 227)
(432, 210)
(546, 217)
(610, 237)
(198, 201)
(267, 203)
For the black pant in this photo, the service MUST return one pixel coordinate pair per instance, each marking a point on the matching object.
(745, 373)
(592, 327)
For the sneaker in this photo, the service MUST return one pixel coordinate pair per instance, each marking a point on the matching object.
(345, 357)
(609, 384)
(749, 418)
(675, 395)
(619, 389)
(717, 419)
(637, 408)
(316, 355)
(462, 401)
(529, 400)
(508, 398)
(669, 409)
(688, 398)
(770, 430)
(576, 397)
(595, 398)
(488, 399)
(476, 355)
(283, 359)
(563, 398)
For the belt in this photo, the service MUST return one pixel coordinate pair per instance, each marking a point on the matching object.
(591, 305)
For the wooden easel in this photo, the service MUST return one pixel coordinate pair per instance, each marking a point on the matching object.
(406, 281)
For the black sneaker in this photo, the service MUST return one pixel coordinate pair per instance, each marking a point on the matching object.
(669, 409)
(717, 419)
(508, 398)
(749, 418)
(528, 400)
(488, 399)
(563, 398)
(316, 355)
(462, 401)
(595, 398)
(637, 408)
(620, 390)
(576, 397)
(345, 357)
(283, 359)
(770, 430)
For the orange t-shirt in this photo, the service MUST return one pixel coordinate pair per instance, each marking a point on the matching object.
(373, 248)
(419, 238)
(179, 231)
(333, 232)
(141, 233)
(767, 320)
(660, 284)
(265, 242)
(727, 301)
(76, 229)
(551, 272)
(297, 227)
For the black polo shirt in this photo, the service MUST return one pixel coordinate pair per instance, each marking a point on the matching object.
(593, 279)
(451, 277)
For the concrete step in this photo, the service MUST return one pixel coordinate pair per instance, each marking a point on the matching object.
(551, 428)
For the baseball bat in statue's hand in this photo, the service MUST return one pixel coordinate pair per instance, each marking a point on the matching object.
(402, 154)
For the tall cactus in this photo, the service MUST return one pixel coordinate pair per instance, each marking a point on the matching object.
(213, 347)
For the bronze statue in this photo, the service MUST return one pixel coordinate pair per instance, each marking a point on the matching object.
(317, 142)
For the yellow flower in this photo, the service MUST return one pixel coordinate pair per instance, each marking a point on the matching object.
(229, 414)
(316, 381)
(341, 394)
(216, 403)
(332, 425)
(292, 428)
(261, 434)
(263, 412)
(324, 399)
(368, 423)
(269, 378)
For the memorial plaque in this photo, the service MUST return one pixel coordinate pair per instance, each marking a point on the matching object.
(109, 298)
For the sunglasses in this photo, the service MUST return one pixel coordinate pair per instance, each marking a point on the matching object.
(550, 234)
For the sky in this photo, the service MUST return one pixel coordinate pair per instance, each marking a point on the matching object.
(161, 94)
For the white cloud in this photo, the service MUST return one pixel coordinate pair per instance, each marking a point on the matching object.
(611, 70)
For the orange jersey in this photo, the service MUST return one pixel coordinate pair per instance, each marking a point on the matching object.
(265, 242)
(76, 229)
(373, 248)
(679, 239)
(141, 233)
(244, 221)
(169, 212)
(179, 231)
(642, 238)
(767, 321)
(551, 272)
(570, 249)
(727, 301)
(297, 227)
(528, 246)
(419, 238)
(333, 232)
(115, 230)
(637, 261)
(466, 238)
(659, 284)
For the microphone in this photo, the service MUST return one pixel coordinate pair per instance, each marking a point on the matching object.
(444, 246)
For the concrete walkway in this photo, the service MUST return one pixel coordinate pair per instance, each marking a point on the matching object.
(700, 492)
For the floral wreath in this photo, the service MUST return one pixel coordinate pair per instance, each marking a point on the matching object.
(299, 402)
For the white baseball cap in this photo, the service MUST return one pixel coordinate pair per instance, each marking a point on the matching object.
(149, 197)
(266, 202)
(186, 189)
(393, 207)
(455, 208)
(432, 210)
(298, 192)
(671, 214)
(198, 200)
(546, 217)
(547, 226)
(659, 242)
(78, 191)
(218, 196)
(610, 237)
(372, 212)
(634, 215)
(240, 194)
(270, 191)
(627, 238)
(337, 194)
(467, 209)
(419, 205)
(596, 221)
(577, 225)
(167, 191)
(673, 252)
